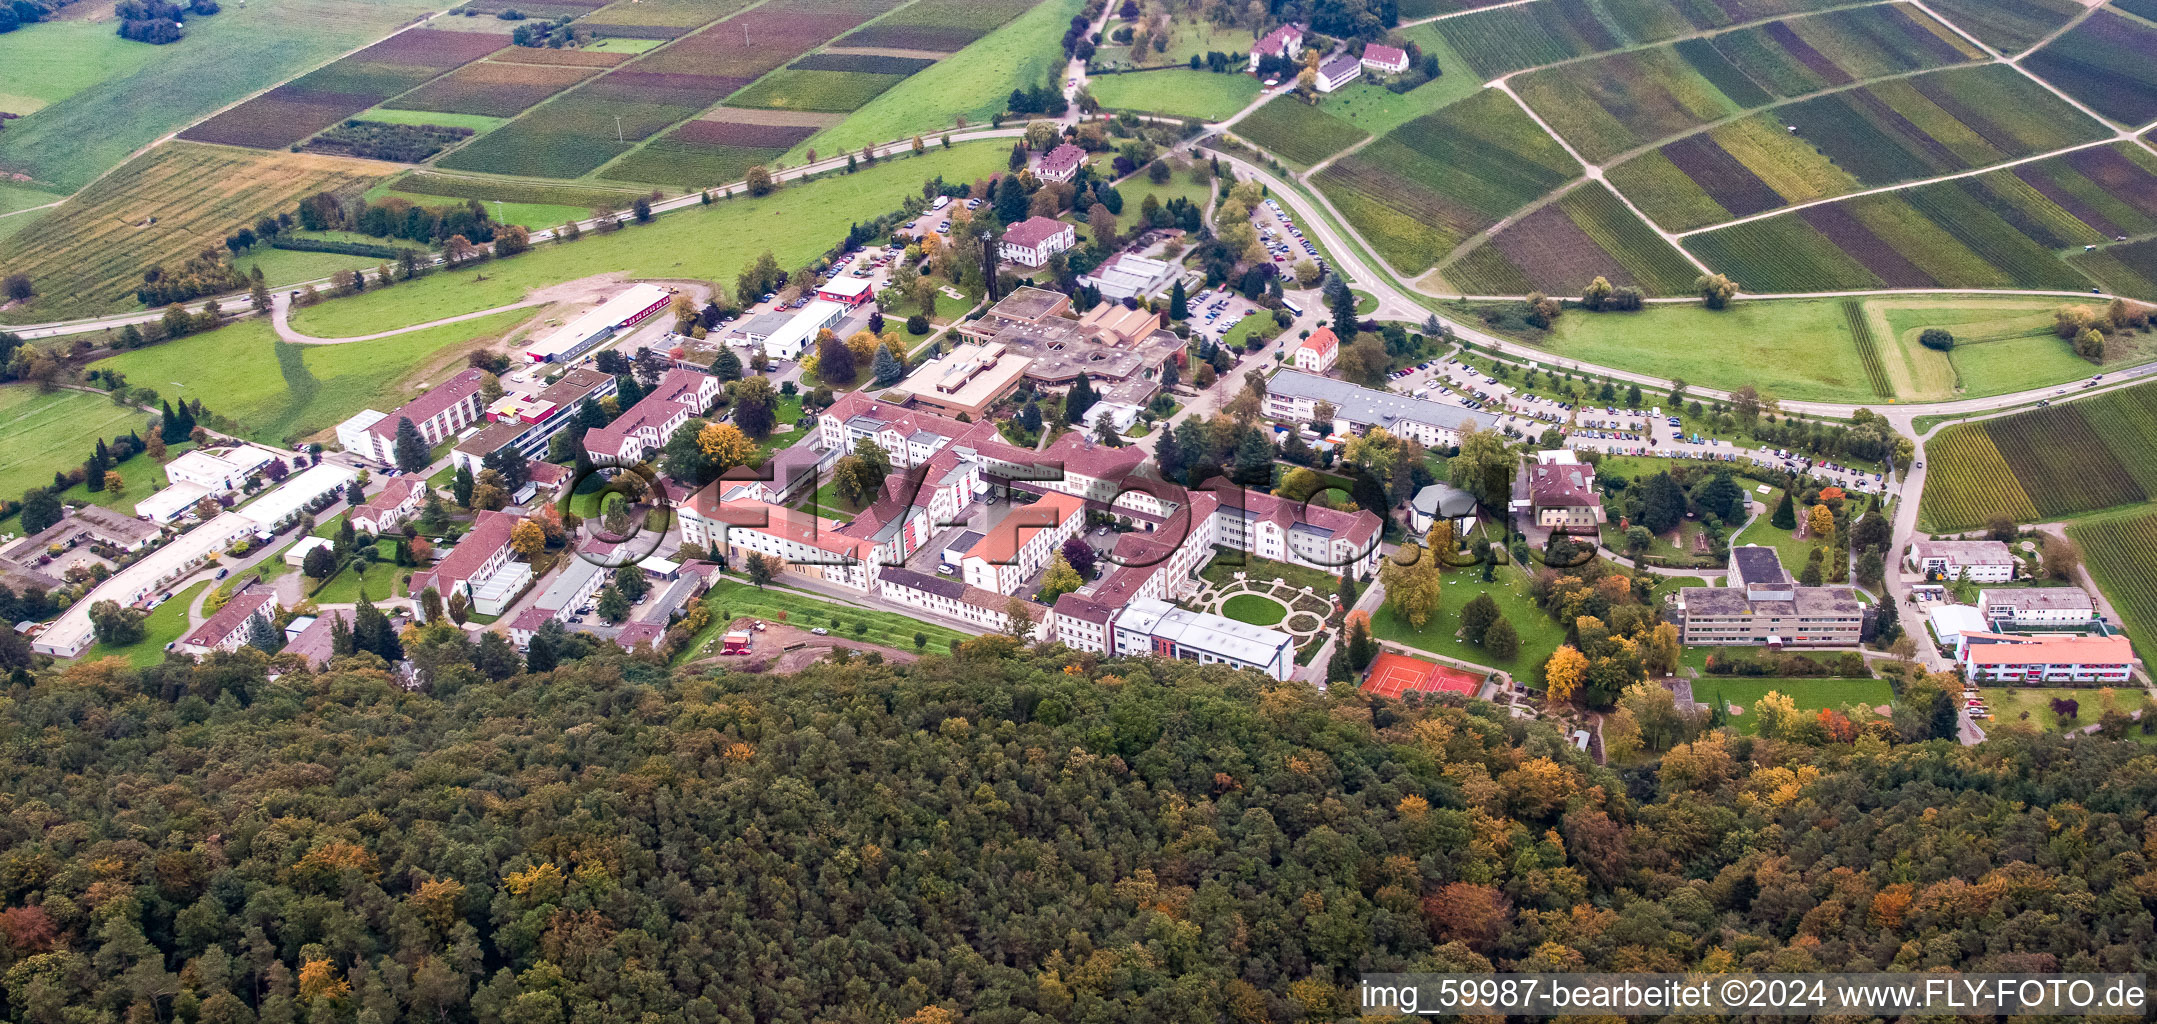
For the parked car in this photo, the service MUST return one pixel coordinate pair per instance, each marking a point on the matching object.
(821, 631)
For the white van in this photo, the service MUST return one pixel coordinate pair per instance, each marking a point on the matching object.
(940, 203)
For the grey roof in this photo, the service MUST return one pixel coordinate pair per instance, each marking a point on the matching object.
(1363, 405)
(573, 578)
(1214, 634)
(1809, 602)
(1339, 66)
(1756, 564)
(964, 541)
(672, 599)
(1444, 501)
(924, 582)
(2030, 599)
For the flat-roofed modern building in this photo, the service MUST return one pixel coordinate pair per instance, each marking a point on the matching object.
(2037, 608)
(2089, 660)
(1979, 561)
(1292, 396)
(1150, 627)
(1763, 607)
(609, 318)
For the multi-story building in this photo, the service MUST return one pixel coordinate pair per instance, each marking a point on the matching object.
(573, 588)
(1761, 606)
(1557, 492)
(1061, 163)
(2036, 608)
(439, 414)
(1298, 533)
(528, 422)
(1293, 396)
(808, 544)
(679, 396)
(609, 318)
(389, 508)
(481, 567)
(2086, 660)
(1339, 72)
(1318, 353)
(1979, 561)
(1386, 60)
(1285, 41)
(1032, 241)
(1151, 628)
(985, 610)
(228, 628)
(1023, 543)
(219, 472)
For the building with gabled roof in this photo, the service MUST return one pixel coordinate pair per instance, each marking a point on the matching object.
(1061, 163)
(678, 397)
(1284, 41)
(228, 628)
(1386, 60)
(387, 509)
(1557, 492)
(528, 422)
(1032, 241)
(481, 567)
(438, 414)
(1023, 542)
(1317, 353)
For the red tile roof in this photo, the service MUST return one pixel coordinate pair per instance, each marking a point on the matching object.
(1063, 159)
(232, 616)
(1322, 341)
(1004, 540)
(489, 534)
(391, 495)
(419, 410)
(1388, 55)
(1033, 231)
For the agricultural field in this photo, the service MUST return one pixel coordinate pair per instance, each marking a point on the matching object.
(53, 431)
(972, 84)
(1297, 132)
(88, 256)
(2121, 555)
(656, 19)
(1421, 189)
(1378, 110)
(283, 393)
(1563, 246)
(1509, 39)
(1616, 103)
(2124, 269)
(2105, 62)
(494, 88)
(2044, 464)
(1883, 134)
(576, 133)
(796, 89)
(1805, 349)
(345, 87)
(86, 85)
(711, 151)
(2002, 229)
(712, 243)
(943, 26)
(1176, 92)
(2009, 26)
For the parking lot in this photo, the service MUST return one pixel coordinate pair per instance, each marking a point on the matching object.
(1608, 429)
(1214, 312)
(1283, 238)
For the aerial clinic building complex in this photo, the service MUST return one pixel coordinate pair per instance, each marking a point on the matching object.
(613, 316)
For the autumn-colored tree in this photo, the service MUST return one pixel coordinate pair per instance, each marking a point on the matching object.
(1820, 523)
(1775, 712)
(1563, 674)
(319, 982)
(528, 539)
(1467, 913)
(725, 446)
(1413, 583)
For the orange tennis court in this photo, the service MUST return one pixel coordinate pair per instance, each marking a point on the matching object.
(1392, 675)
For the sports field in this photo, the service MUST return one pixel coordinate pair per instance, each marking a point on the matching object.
(282, 393)
(54, 431)
(709, 242)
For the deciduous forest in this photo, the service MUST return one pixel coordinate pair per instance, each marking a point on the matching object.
(995, 837)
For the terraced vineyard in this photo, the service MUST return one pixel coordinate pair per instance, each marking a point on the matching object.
(1612, 104)
(2002, 229)
(2121, 554)
(1562, 247)
(2044, 464)
(2010, 26)
(1421, 189)
(2106, 63)
(1297, 131)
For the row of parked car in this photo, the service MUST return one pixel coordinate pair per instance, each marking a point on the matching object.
(1279, 246)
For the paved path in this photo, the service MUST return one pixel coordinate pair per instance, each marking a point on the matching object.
(281, 321)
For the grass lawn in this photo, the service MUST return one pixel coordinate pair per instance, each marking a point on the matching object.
(1379, 110)
(57, 431)
(1137, 187)
(92, 86)
(535, 216)
(729, 600)
(1187, 36)
(1539, 636)
(1763, 532)
(15, 197)
(714, 242)
(1260, 323)
(280, 392)
(1809, 694)
(165, 623)
(973, 83)
(2010, 705)
(1177, 92)
(283, 267)
(1255, 609)
(1803, 349)
(382, 580)
(1227, 562)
